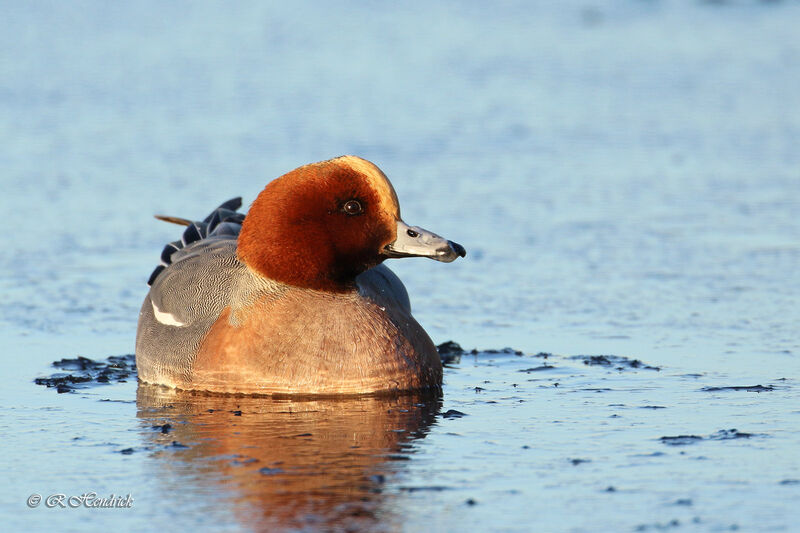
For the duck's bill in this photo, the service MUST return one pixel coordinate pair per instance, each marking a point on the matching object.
(413, 241)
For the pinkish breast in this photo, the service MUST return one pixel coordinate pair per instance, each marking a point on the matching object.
(309, 342)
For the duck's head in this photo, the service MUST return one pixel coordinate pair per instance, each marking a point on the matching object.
(321, 225)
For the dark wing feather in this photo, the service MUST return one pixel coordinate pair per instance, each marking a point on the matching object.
(224, 221)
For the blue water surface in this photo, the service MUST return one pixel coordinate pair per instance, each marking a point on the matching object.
(625, 177)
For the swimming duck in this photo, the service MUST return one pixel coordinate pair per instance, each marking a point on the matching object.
(293, 298)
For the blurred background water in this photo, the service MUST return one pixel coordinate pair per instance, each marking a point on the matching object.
(624, 175)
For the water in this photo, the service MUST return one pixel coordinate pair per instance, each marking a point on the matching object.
(626, 180)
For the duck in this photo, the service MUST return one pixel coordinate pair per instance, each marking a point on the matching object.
(293, 298)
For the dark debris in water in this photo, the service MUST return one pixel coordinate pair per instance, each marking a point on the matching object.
(450, 352)
(536, 368)
(658, 526)
(83, 373)
(452, 413)
(450, 347)
(728, 434)
(510, 351)
(431, 488)
(617, 361)
(744, 388)
(681, 440)
(722, 434)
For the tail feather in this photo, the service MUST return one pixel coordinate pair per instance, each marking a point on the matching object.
(166, 254)
(155, 274)
(222, 215)
(233, 204)
(174, 220)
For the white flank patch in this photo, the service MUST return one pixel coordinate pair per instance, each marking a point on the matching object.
(168, 319)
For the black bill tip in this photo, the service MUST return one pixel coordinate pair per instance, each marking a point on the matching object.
(460, 251)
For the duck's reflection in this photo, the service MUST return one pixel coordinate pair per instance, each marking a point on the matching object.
(285, 464)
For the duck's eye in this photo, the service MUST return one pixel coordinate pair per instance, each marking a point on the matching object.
(352, 207)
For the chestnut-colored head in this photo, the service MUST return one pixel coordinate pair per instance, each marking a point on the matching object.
(322, 224)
